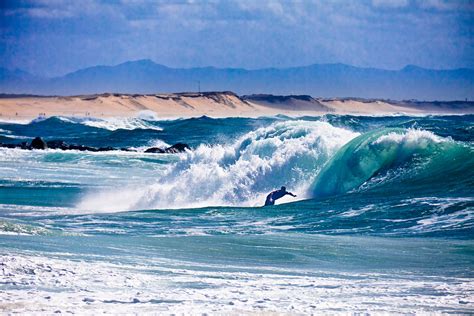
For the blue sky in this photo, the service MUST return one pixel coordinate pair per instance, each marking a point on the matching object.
(53, 37)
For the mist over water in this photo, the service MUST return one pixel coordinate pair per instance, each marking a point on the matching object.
(384, 211)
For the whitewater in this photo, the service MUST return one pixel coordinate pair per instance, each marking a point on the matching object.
(383, 221)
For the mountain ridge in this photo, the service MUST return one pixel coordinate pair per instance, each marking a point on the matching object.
(319, 80)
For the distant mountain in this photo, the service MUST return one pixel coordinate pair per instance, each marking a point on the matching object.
(319, 80)
(18, 80)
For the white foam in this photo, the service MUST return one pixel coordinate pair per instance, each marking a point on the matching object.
(57, 168)
(285, 153)
(439, 219)
(412, 137)
(12, 228)
(356, 212)
(148, 115)
(33, 210)
(153, 143)
(16, 136)
(15, 121)
(113, 124)
(57, 283)
(142, 121)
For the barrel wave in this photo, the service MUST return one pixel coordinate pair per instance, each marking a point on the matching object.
(385, 212)
(390, 156)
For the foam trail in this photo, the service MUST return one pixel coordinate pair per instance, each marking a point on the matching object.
(239, 174)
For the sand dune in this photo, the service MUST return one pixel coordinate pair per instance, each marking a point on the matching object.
(214, 104)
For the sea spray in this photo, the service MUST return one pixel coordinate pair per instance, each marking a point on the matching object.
(284, 153)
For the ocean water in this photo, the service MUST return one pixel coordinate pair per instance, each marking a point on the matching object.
(383, 221)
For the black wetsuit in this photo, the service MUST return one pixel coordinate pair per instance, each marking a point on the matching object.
(275, 195)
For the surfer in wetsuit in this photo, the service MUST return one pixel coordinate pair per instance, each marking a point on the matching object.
(275, 195)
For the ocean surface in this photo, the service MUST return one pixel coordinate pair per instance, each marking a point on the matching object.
(383, 220)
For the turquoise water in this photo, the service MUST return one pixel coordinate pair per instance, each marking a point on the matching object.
(383, 221)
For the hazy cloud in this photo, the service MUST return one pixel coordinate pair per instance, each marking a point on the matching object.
(53, 36)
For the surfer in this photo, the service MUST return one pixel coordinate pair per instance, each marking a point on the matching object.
(275, 195)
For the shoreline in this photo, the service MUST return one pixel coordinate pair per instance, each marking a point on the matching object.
(214, 104)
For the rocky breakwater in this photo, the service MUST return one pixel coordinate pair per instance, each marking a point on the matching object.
(40, 144)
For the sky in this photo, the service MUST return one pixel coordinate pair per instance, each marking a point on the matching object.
(54, 37)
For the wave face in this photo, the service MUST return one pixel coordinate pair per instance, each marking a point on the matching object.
(385, 211)
(381, 155)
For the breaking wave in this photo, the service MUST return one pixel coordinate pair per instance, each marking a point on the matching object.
(313, 159)
(237, 174)
(115, 123)
(384, 155)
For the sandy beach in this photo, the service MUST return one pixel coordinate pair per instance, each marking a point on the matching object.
(213, 104)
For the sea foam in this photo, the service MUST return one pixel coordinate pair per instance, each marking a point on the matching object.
(285, 153)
